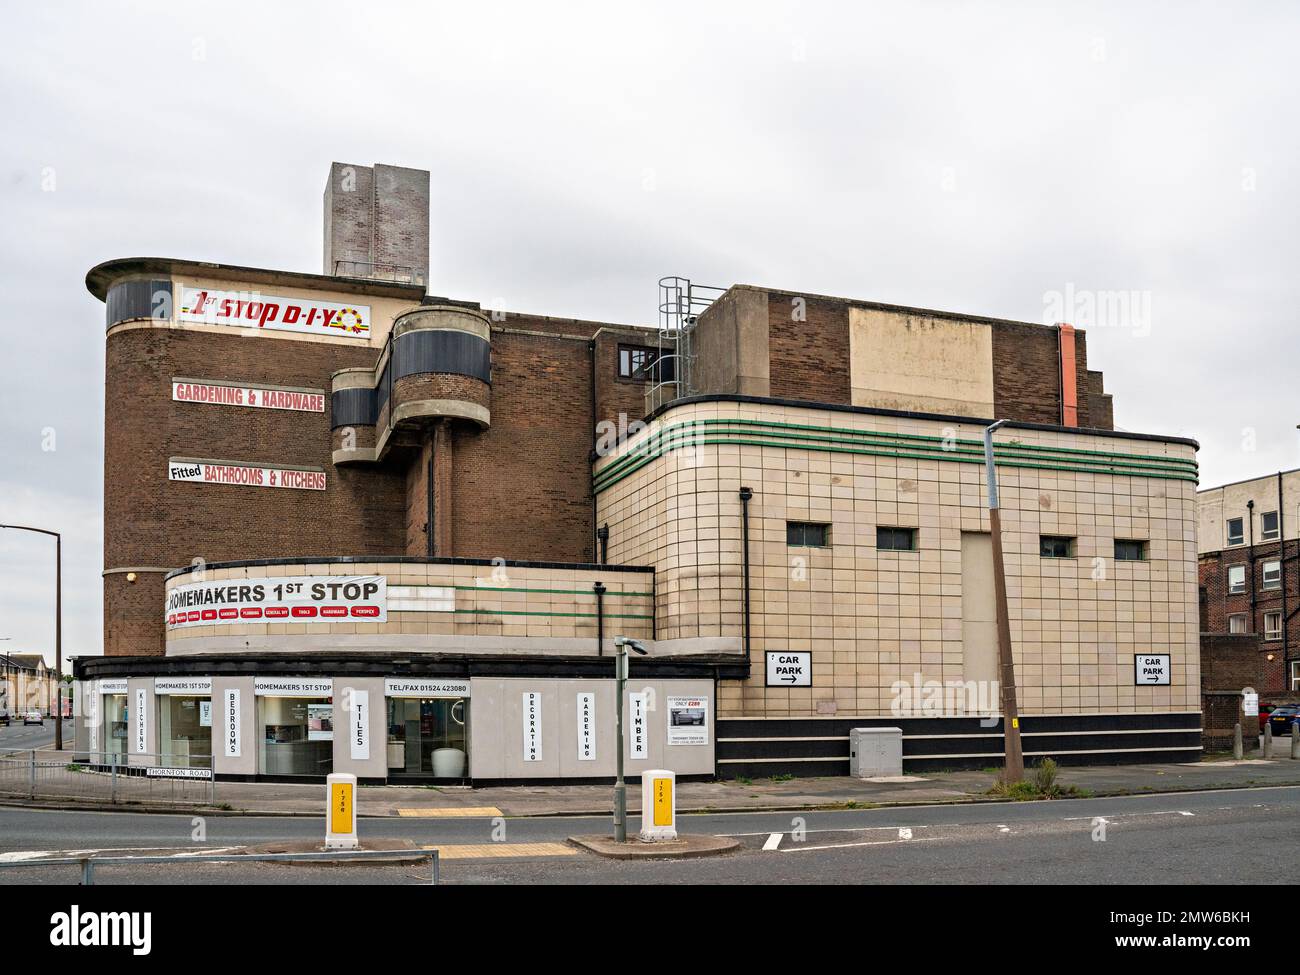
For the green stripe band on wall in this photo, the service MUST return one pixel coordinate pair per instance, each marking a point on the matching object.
(524, 612)
(762, 433)
(559, 592)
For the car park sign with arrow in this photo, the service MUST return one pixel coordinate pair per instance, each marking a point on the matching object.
(789, 668)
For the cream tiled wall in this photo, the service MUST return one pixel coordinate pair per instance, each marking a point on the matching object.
(872, 617)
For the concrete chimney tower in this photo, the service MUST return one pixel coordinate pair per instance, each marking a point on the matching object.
(377, 223)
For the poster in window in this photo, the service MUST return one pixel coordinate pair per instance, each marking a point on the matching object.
(320, 722)
(688, 721)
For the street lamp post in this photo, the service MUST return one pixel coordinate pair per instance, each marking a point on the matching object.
(1015, 761)
(621, 644)
(58, 622)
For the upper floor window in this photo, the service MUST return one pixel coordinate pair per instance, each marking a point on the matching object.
(642, 362)
(1268, 526)
(807, 533)
(896, 539)
(1055, 547)
(1236, 531)
(1237, 623)
(1272, 626)
(1130, 550)
(1236, 578)
(1273, 574)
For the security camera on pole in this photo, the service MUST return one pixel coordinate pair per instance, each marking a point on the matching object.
(1015, 761)
(621, 644)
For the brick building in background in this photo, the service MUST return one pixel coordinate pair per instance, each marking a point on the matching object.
(334, 499)
(1246, 553)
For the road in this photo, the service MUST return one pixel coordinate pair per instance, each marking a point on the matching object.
(1233, 837)
(19, 735)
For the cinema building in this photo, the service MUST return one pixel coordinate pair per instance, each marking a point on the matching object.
(351, 526)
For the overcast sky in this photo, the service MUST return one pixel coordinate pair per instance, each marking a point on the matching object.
(1005, 160)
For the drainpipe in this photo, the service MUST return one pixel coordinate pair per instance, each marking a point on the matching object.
(428, 532)
(1065, 343)
(1281, 561)
(602, 535)
(599, 590)
(745, 495)
(1250, 560)
(591, 462)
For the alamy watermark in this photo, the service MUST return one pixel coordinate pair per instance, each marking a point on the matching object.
(920, 698)
(1087, 308)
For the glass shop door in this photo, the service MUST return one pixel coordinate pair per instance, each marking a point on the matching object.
(429, 737)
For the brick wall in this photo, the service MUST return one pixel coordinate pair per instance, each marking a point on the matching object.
(348, 197)
(809, 360)
(417, 500)
(1027, 373)
(401, 217)
(1218, 604)
(523, 486)
(1230, 661)
(151, 521)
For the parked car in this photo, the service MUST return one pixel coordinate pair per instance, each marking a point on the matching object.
(1281, 718)
(33, 717)
(1264, 711)
(4, 718)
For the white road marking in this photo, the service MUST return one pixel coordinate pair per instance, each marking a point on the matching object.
(1132, 815)
(844, 846)
(904, 833)
(773, 841)
(828, 829)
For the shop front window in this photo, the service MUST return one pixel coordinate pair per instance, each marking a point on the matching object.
(429, 737)
(115, 728)
(297, 736)
(185, 731)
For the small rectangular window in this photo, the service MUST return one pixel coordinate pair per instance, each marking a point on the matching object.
(1295, 675)
(1130, 550)
(1055, 547)
(1268, 526)
(896, 539)
(644, 363)
(1236, 531)
(1236, 578)
(1273, 574)
(1237, 623)
(806, 533)
(1272, 626)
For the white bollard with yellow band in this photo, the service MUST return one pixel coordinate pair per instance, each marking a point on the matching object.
(658, 805)
(341, 812)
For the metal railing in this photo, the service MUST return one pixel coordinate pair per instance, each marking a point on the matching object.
(681, 302)
(89, 863)
(399, 273)
(149, 778)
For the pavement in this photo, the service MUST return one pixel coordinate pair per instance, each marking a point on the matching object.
(776, 794)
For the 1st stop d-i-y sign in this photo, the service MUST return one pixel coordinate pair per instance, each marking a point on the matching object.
(789, 668)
